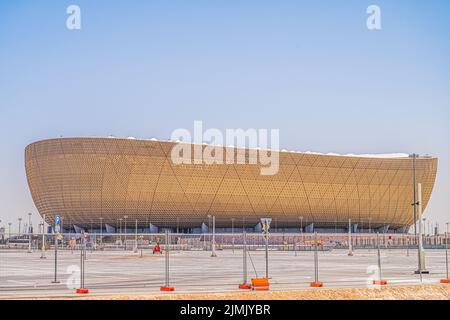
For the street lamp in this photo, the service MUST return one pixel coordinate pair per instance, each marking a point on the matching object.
(9, 230)
(414, 191)
(421, 254)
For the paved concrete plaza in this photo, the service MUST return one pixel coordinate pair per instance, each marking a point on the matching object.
(24, 274)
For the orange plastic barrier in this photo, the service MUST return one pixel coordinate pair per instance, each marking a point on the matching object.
(380, 282)
(82, 291)
(167, 288)
(445, 281)
(316, 284)
(245, 286)
(260, 284)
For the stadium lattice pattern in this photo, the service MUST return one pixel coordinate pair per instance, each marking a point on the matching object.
(85, 179)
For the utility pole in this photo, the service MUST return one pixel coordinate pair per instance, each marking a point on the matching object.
(421, 254)
(414, 192)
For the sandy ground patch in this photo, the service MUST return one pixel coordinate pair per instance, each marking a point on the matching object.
(425, 292)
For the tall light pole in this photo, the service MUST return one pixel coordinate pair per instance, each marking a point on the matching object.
(414, 192)
(421, 254)
(9, 230)
(29, 232)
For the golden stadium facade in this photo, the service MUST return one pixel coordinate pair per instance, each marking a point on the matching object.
(89, 181)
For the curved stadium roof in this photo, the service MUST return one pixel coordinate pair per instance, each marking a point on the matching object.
(83, 179)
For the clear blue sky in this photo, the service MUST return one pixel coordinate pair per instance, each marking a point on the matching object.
(144, 68)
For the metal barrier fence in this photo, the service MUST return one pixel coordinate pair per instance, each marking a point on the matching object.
(280, 241)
